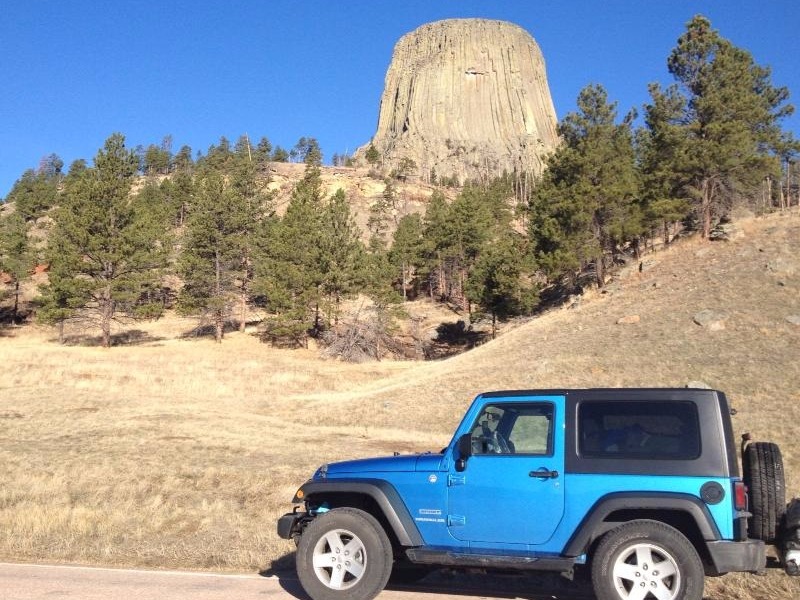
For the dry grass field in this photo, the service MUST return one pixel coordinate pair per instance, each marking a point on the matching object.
(175, 452)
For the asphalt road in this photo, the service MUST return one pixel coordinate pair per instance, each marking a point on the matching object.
(47, 582)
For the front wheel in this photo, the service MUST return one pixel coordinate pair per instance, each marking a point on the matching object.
(646, 560)
(344, 554)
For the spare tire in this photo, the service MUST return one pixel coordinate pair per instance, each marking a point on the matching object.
(763, 475)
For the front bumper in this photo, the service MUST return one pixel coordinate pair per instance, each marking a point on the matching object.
(748, 556)
(289, 525)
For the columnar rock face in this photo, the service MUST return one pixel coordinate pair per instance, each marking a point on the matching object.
(466, 98)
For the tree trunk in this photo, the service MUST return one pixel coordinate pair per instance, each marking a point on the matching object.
(106, 314)
(405, 296)
(600, 271)
(15, 310)
(246, 278)
(219, 326)
(243, 308)
(705, 208)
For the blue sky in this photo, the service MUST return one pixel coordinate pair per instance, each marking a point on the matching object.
(73, 72)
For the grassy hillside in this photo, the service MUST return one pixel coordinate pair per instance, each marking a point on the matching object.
(181, 453)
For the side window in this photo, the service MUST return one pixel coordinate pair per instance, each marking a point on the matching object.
(639, 430)
(514, 429)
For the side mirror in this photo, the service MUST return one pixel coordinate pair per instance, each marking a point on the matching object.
(464, 447)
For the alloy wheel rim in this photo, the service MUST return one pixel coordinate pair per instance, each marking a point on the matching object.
(339, 559)
(646, 571)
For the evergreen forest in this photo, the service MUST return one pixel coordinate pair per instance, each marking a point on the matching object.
(138, 231)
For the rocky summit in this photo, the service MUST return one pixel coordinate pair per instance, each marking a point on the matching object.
(465, 98)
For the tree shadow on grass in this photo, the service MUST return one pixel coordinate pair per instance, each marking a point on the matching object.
(132, 337)
(207, 330)
(10, 319)
(454, 338)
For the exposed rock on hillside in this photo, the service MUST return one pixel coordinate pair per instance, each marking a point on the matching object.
(466, 98)
(362, 191)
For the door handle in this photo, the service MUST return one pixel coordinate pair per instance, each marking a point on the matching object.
(543, 473)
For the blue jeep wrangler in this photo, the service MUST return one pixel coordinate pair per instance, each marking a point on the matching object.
(640, 485)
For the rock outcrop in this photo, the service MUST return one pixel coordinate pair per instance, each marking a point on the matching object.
(465, 98)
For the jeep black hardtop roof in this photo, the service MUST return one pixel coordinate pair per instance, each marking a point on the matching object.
(661, 391)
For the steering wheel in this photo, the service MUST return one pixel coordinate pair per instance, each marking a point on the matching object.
(500, 444)
(493, 443)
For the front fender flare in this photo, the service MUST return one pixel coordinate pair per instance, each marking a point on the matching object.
(382, 492)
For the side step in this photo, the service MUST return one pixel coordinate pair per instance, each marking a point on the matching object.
(450, 558)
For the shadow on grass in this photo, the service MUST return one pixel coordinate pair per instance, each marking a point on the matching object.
(133, 337)
(454, 338)
(8, 318)
(207, 330)
(474, 583)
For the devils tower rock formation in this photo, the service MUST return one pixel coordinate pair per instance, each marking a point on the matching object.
(466, 98)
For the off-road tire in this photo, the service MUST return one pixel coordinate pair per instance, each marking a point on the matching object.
(764, 477)
(646, 555)
(357, 549)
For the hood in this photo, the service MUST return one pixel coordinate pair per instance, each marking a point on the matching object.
(385, 464)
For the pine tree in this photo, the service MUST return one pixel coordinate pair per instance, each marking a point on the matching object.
(729, 114)
(16, 255)
(218, 157)
(183, 162)
(372, 155)
(586, 205)
(35, 192)
(662, 144)
(380, 217)
(288, 268)
(307, 151)
(378, 275)
(406, 253)
(210, 263)
(453, 235)
(256, 201)
(156, 161)
(280, 155)
(262, 155)
(435, 227)
(178, 193)
(499, 281)
(341, 253)
(105, 251)
(64, 295)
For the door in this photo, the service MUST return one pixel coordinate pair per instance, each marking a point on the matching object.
(511, 488)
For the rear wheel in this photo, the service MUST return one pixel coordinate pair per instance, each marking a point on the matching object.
(646, 560)
(763, 475)
(344, 554)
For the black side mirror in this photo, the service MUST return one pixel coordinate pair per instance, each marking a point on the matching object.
(464, 447)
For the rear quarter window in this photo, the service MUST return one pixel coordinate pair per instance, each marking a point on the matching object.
(641, 430)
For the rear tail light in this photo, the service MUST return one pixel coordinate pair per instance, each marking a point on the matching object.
(739, 495)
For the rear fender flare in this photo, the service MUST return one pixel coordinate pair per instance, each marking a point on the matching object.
(593, 525)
